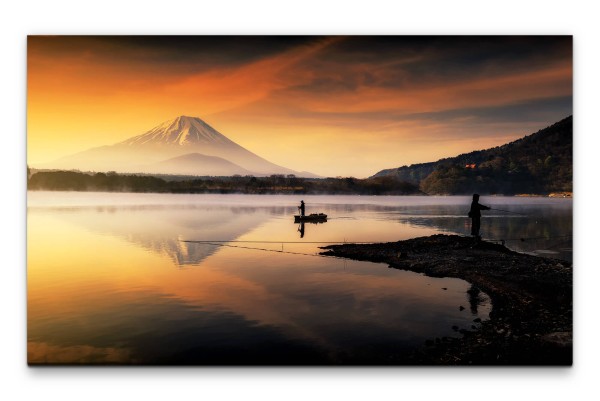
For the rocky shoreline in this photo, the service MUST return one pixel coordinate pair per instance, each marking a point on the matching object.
(531, 322)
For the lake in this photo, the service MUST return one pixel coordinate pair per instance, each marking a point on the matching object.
(118, 278)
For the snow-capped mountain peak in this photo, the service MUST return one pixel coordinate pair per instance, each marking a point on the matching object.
(181, 131)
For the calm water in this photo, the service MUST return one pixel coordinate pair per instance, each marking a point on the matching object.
(112, 280)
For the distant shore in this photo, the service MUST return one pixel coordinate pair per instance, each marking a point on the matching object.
(550, 195)
(531, 320)
(271, 185)
(59, 180)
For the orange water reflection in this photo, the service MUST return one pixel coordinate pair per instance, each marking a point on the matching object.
(119, 285)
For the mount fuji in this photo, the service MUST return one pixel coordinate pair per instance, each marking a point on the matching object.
(184, 146)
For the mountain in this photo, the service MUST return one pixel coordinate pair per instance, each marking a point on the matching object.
(192, 163)
(538, 163)
(165, 145)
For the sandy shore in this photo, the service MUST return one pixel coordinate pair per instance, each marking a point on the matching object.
(531, 321)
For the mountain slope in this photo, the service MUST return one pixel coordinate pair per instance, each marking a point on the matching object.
(180, 136)
(538, 163)
(192, 163)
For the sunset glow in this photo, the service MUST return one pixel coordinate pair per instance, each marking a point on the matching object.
(360, 104)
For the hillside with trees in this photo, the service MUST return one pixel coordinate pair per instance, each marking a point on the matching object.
(539, 163)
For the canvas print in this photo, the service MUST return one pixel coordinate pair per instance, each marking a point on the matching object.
(299, 200)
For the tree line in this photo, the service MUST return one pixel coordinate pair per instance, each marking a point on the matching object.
(274, 184)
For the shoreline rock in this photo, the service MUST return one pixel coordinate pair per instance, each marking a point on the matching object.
(531, 319)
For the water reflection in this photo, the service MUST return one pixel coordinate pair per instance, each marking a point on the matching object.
(164, 230)
(476, 298)
(302, 226)
(104, 283)
(544, 227)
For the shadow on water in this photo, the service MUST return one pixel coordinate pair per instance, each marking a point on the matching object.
(476, 298)
(302, 226)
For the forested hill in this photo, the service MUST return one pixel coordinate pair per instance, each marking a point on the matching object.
(539, 163)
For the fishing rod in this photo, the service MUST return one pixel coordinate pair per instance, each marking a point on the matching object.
(507, 211)
(318, 255)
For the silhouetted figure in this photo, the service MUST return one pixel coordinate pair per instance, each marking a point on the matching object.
(301, 229)
(475, 215)
(302, 208)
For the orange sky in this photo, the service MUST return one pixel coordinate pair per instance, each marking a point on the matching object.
(359, 104)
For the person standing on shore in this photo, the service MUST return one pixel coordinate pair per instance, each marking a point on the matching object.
(475, 215)
(302, 208)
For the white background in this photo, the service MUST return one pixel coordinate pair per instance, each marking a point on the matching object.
(21, 18)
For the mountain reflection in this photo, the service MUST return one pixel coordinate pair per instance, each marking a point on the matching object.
(164, 230)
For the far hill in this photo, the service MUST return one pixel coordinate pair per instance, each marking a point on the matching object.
(193, 163)
(539, 163)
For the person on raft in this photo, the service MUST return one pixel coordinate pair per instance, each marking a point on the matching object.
(475, 215)
(302, 208)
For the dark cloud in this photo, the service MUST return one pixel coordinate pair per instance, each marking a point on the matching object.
(466, 58)
(406, 61)
(178, 53)
(328, 85)
(546, 109)
(383, 61)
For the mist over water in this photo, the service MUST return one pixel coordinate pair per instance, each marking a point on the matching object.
(112, 277)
